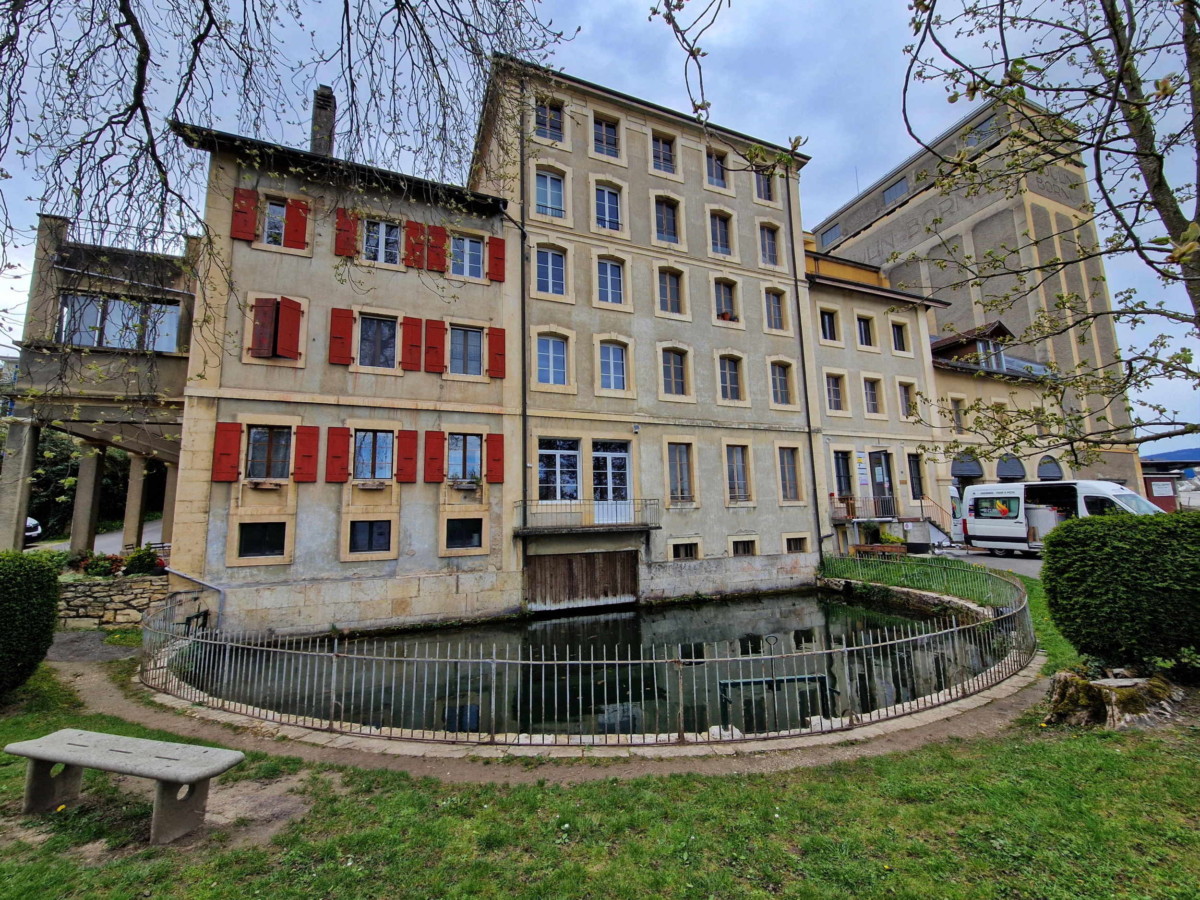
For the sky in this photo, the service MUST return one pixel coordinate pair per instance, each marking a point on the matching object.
(829, 71)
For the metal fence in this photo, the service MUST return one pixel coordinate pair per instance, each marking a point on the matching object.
(772, 687)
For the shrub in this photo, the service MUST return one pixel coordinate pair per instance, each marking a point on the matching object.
(1126, 589)
(78, 559)
(104, 565)
(28, 614)
(141, 561)
(56, 558)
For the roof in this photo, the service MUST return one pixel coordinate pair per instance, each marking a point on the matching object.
(1188, 454)
(264, 154)
(878, 291)
(991, 330)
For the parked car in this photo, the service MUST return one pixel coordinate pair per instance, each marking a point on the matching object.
(33, 530)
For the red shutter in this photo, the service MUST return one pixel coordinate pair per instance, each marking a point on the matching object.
(435, 456)
(345, 243)
(410, 354)
(245, 215)
(495, 350)
(495, 259)
(308, 443)
(227, 451)
(295, 225)
(341, 337)
(495, 458)
(262, 336)
(287, 331)
(414, 245)
(406, 456)
(438, 239)
(435, 346)
(337, 455)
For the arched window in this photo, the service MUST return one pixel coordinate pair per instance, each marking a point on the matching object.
(1009, 468)
(966, 468)
(1049, 469)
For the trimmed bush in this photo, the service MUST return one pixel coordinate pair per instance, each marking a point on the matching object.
(28, 614)
(141, 561)
(1126, 589)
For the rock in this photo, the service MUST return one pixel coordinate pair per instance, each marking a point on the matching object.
(1115, 703)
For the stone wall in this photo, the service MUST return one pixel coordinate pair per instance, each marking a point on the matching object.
(108, 603)
(726, 576)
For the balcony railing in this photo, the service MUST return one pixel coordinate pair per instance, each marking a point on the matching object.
(559, 516)
(849, 507)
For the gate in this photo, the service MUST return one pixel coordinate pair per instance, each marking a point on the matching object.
(573, 580)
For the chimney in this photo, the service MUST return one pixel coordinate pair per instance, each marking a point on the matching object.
(324, 112)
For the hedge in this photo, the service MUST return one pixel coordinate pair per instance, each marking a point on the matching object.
(1126, 589)
(28, 615)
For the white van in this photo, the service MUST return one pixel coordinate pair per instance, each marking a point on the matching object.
(1016, 517)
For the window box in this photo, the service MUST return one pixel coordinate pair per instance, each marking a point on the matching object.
(466, 485)
(260, 484)
(370, 485)
(727, 317)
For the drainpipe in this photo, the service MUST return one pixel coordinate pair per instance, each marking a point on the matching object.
(812, 450)
(524, 187)
(212, 587)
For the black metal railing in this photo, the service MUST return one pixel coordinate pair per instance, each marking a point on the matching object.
(587, 515)
(850, 507)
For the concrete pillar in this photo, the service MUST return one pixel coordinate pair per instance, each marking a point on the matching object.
(168, 519)
(87, 497)
(20, 454)
(135, 503)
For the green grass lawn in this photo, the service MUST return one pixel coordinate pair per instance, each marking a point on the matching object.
(1036, 813)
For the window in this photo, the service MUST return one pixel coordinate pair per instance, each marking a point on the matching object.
(688, 550)
(381, 241)
(981, 133)
(610, 281)
(745, 548)
(833, 392)
(907, 407)
(871, 395)
(830, 234)
(95, 320)
(866, 332)
(377, 342)
(612, 366)
(373, 455)
(666, 220)
(463, 457)
(957, 416)
(604, 133)
(552, 360)
(674, 372)
(274, 222)
(829, 325)
(737, 478)
(550, 195)
(464, 534)
(679, 472)
(781, 384)
(670, 297)
(990, 355)
(731, 378)
(774, 307)
(841, 473)
(724, 302)
(795, 545)
(997, 507)
(916, 476)
(768, 241)
(558, 469)
(1101, 506)
(262, 538)
(548, 120)
(466, 256)
(715, 163)
(466, 351)
(900, 337)
(275, 328)
(608, 208)
(764, 186)
(789, 480)
(551, 271)
(269, 452)
(662, 152)
(718, 226)
(895, 191)
(371, 536)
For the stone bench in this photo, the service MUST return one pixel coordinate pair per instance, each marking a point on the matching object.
(181, 770)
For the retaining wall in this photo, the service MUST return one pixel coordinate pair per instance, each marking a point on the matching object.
(108, 603)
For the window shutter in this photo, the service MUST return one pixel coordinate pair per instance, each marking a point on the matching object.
(345, 243)
(245, 215)
(435, 456)
(337, 455)
(495, 458)
(435, 346)
(495, 346)
(414, 245)
(439, 239)
(341, 337)
(227, 451)
(495, 259)
(410, 354)
(295, 225)
(308, 442)
(262, 335)
(406, 457)
(287, 331)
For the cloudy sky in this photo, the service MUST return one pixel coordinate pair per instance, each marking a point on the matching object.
(830, 71)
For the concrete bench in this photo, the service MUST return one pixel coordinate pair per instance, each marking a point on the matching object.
(181, 770)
